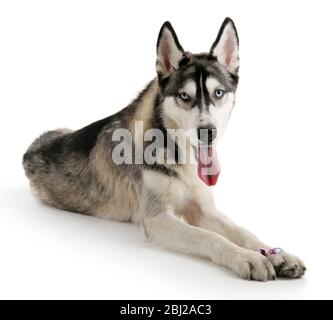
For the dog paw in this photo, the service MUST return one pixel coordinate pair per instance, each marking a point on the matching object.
(254, 266)
(287, 265)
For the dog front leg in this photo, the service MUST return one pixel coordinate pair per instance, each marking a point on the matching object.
(285, 264)
(167, 230)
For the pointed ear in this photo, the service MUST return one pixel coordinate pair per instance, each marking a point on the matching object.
(225, 47)
(169, 51)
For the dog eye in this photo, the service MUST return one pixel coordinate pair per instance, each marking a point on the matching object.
(185, 97)
(219, 93)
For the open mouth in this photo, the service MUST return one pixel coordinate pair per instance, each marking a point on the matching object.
(208, 164)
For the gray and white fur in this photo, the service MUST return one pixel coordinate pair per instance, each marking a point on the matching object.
(74, 170)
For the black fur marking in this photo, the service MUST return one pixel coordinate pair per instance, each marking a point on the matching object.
(27, 156)
(157, 123)
(207, 97)
(184, 61)
(81, 141)
(234, 78)
(162, 169)
(84, 140)
(205, 56)
(203, 98)
(205, 64)
(53, 152)
(163, 81)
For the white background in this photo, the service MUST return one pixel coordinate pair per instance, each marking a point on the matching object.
(69, 63)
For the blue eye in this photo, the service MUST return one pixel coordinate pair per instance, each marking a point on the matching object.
(219, 93)
(184, 96)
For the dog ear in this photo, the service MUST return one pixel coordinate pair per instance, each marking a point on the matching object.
(226, 46)
(169, 50)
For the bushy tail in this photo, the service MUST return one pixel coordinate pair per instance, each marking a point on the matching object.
(32, 158)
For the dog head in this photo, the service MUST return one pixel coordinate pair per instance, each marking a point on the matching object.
(198, 90)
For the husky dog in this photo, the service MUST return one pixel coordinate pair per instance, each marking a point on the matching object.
(171, 200)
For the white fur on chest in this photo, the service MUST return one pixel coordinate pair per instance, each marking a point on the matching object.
(177, 192)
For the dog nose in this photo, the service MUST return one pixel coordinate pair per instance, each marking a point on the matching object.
(206, 134)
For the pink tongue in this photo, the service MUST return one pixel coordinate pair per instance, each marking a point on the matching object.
(208, 165)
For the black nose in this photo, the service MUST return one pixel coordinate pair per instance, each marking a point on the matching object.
(206, 134)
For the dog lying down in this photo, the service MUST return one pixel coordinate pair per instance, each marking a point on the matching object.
(154, 162)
